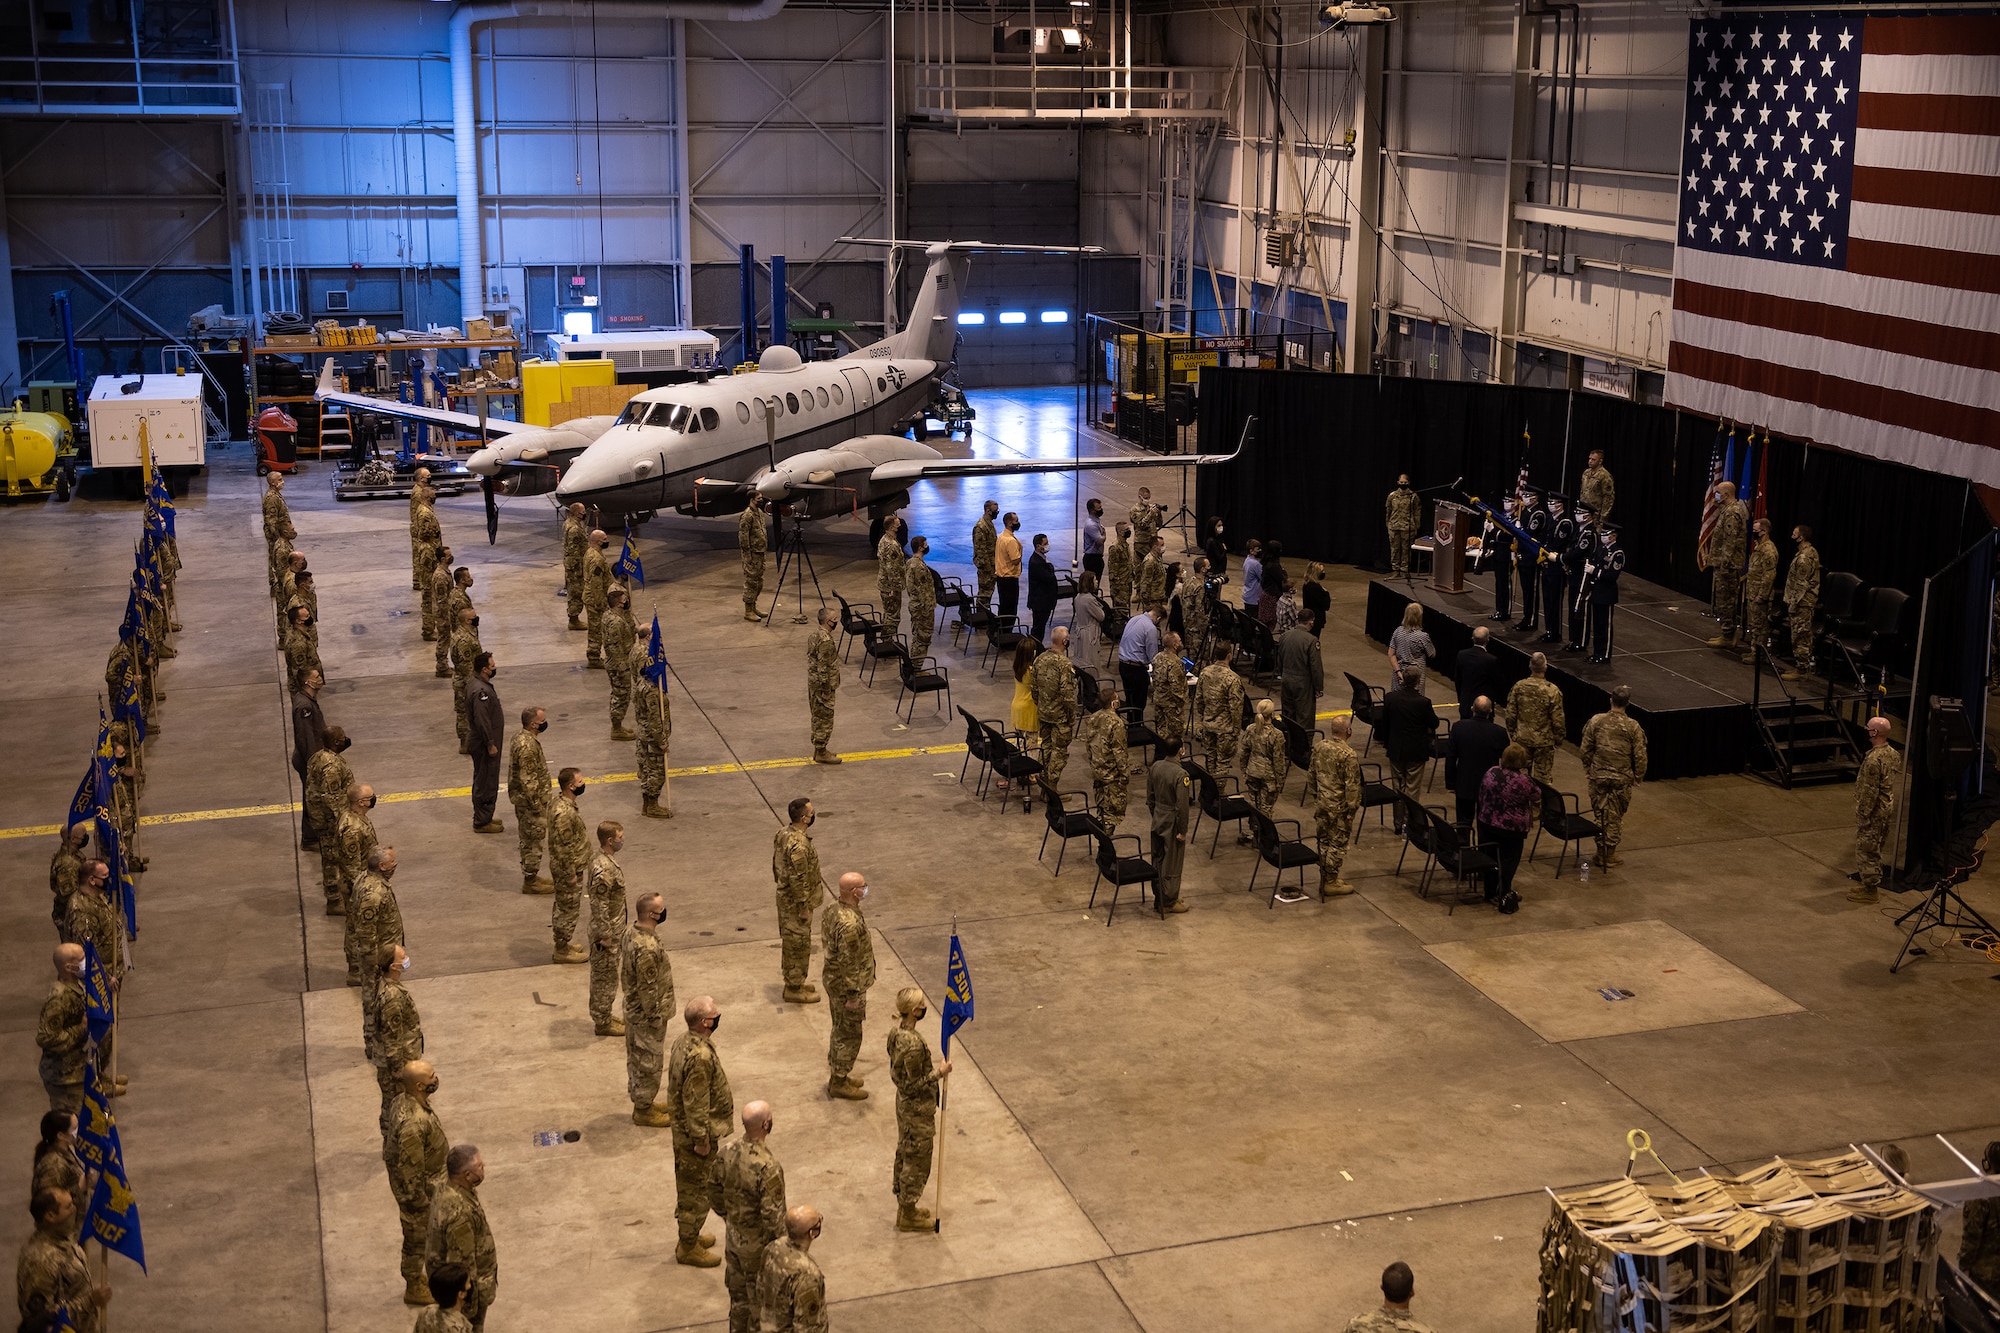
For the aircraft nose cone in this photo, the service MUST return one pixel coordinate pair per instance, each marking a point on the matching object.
(587, 475)
(775, 486)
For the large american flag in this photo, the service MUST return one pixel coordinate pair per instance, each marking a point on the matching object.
(1837, 257)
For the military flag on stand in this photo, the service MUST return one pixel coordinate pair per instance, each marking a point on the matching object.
(113, 1218)
(1720, 461)
(628, 566)
(98, 1014)
(96, 1138)
(957, 1011)
(653, 659)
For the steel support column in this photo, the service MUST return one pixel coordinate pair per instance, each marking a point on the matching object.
(1364, 202)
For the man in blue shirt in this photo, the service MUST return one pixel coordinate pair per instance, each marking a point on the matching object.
(1136, 651)
(1093, 537)
(1253, 575)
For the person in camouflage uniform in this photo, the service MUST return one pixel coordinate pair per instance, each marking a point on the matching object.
(421, 495)
(620, 633)
(276, 514)
(1534, 718)
(353, 837)
(605, 883)
(414, 1152)
(655, 717)
(1394, 1314)
(1262, 755)
(791, 1291)
(569, 860)
(1169, 792)
(1757, 588)
(1597, 490)
(281, 554)
(1105, 745)
(1613, 750)
(94, 919)
(374, 918)
(1169, 692)
(1145, 518)
(1152, 590)
(426, 540)
(846, 972)
(444, 595)
(916, 1108)
(1802, 600)
(1052, 678)
(1193, 596)
(890, 571)
(399, 1032)
(455, 1231)
(52, 1274)
(1335, 781)
(61, 1033)
(985, 544)
(923, 599)
(1118, 567)
(648, 980)
(66, 869)
(795, 870)
(700, 1109)
(822, 682)
(1724, 553)
(596, 596)
(752, 542)
(1218, 700)
(301, 653)
(1874, 803)
(465, 647)
(1402, 512)
(575, 540)
(529, 792)
(752, 1186)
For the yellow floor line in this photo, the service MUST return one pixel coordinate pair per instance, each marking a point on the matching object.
(436, 793)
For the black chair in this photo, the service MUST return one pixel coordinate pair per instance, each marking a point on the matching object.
(975, 748)
(1065, 823)
(973, 616)
(1299, 750)
(1261, 647)
(1565, 822)
(1841, 597)
(1113, 630)
(1278, 851)
(1001, 639)
(1439, 740)
(1065, 586)
(1222, 804)
(1375, 793)
(1873, 637)
(919, 678)
(1366, 705)
(1010, 762)
(951, 594)
(1417, 834)
(1450, 849)
(1120, 871)
(856, 622)
(880, 645)
(1087, 693)
(1137, 734)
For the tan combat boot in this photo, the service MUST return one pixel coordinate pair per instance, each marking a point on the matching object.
(822, 755)
(620, 734)
(694, 1256)
(653, 1117)
(490, 826)
(536, 884)
(613, 1026)
(577, 624)
(652, 809)
(911, 1218)
(846, 1090)
(569, 953)
(800, 995)
(416, 1292)
(750, 613)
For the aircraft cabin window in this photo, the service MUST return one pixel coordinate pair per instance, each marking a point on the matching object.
(881, 385)
(838, 397)
(792, 402)
(710, 418)
(822, 397)
(743, 413)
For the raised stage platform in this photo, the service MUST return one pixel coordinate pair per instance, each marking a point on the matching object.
(1693, 700)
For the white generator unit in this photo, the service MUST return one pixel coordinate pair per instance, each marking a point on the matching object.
(170, 406)
(648, 349)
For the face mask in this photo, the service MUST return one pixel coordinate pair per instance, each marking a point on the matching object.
(430, 1087)
(303, 624)
(406, 962)
(811, 820)
(579, 790)
(372, 800)
(342, 747)
(864, 893)
(475, 622)
(715, 1023)
(541, 727)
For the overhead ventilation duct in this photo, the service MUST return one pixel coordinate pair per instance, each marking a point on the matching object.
(464, 134)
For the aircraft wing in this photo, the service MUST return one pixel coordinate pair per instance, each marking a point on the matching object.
(918, 469)
(466, 423)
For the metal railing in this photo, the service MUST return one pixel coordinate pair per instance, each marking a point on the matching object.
(126, 65)
(954, 90)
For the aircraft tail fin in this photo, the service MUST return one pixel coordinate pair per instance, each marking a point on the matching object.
(932, 330)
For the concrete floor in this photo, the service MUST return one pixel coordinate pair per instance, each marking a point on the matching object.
(1232, 1119)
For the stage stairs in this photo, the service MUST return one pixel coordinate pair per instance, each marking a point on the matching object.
(1806, 742)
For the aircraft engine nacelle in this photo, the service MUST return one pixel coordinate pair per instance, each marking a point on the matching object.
(522, 479)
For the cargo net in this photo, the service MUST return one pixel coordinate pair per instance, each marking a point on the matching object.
(1825, 1246)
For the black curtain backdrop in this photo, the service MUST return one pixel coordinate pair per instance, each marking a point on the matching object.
(1329, 447)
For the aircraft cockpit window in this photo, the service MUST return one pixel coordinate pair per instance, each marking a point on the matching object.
(710, 418)
(634, 413)
(693, 422)
(674, 416)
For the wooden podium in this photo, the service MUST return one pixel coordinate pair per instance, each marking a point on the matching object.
(1451, 526)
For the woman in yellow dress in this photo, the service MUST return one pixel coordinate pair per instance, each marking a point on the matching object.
(1023, 717)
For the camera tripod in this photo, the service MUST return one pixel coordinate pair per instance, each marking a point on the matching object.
(795, 561)
(1942, 907)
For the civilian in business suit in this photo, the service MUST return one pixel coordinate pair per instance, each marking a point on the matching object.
(1408, 724)
(1477, 672)
(1474, 745)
